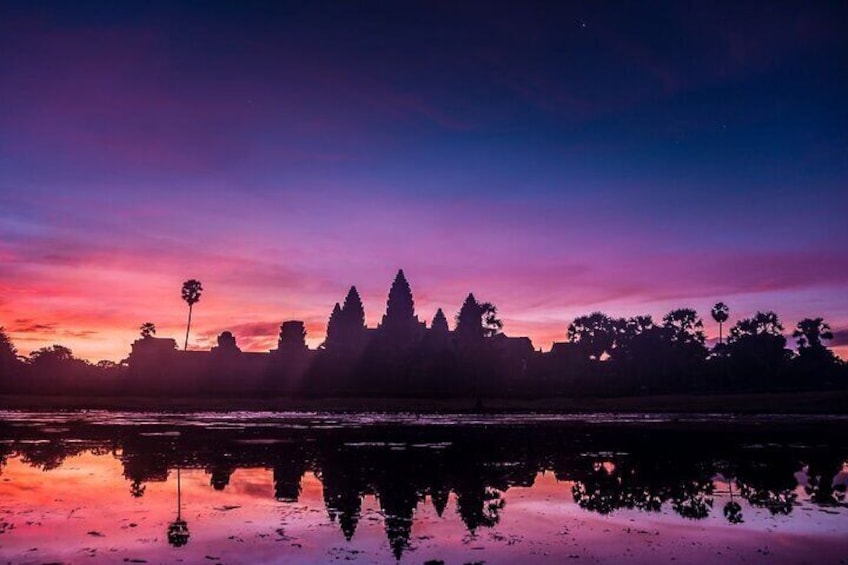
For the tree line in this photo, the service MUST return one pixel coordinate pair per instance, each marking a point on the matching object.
(639, 354)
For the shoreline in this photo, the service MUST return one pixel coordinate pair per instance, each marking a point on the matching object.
(818, 402)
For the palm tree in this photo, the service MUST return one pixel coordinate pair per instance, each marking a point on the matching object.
(810, 332)
(191, 294)
(148, 329)
(720, 314)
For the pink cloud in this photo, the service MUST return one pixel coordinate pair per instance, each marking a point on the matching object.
(840, 338)
(111, 284)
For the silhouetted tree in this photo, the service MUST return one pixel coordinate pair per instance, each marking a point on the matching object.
(810, 332)
(7, 348)
(492, 325)
(10, 366)
(684, 327)
(596, 333)
(148, 329)
(54, 353)
(191, 295)
(757, 346)
(629, 335)
(720, 314)
(815, 362)
(642, 354)
(763, 323)
(684, 331)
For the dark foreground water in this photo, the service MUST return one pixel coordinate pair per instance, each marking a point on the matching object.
(313, 488)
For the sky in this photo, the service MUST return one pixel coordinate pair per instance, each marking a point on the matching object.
(553, 158)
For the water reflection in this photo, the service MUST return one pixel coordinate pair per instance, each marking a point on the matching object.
(693, 471)
(178, 533)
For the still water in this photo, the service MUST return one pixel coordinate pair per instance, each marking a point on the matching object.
(91, 487)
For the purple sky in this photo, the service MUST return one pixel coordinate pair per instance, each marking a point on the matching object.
(552, 159)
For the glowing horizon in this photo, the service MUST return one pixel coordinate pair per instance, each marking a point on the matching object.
(631, 164)
(102, 338)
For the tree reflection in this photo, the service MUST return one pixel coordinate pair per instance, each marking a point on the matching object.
(480, 506)
(732, 510)
(693, 499)
(137, 489)
(48, 455)
(821, 471)
(606, 486)
(669, 469)
(776, 502)
(178, 533)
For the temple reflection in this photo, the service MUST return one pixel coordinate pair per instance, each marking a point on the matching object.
(694, 473)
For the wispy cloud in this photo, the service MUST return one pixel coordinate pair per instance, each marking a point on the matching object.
(26, 325)
(840, 338)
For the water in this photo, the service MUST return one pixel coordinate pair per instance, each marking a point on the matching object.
(91, 487)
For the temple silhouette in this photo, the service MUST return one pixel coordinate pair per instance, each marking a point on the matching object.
(470, 357)
(402, 356)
